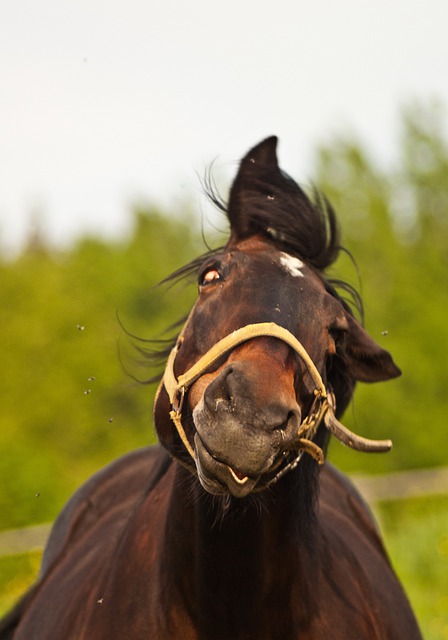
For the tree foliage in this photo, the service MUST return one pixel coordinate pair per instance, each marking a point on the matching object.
(69, 401)
(395, 224)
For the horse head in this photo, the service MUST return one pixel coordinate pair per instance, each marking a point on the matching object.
(269, 356)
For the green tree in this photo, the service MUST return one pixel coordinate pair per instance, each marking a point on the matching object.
(395, 224)
(68, 406)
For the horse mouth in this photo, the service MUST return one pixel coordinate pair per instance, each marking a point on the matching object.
(218, 477)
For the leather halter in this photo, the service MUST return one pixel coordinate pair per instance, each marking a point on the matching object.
(178, 387)
(322, 409)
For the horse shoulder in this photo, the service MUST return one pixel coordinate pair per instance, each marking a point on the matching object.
(108, 496)
(339, 492)
(115, 487)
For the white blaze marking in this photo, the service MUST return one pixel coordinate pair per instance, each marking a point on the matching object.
(292, 265)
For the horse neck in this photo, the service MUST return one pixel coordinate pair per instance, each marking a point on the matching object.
(237, 563)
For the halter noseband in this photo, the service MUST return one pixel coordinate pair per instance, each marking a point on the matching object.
(322, 409)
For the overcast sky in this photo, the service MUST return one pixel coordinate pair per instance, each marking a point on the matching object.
(103, 103)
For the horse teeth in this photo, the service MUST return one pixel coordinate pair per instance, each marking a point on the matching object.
(238, 479)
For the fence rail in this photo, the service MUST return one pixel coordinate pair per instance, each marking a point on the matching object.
(16, 541)
(403, 484)
(378, 488)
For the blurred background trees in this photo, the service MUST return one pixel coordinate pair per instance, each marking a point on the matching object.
(395, 223)
(68, 401)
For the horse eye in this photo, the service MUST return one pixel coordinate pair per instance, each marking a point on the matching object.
(337, 338)
(209, 276)
(338, 332)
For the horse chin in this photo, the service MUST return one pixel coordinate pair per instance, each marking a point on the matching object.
(233, 459)
(218, 478)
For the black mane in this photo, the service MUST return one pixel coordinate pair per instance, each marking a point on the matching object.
(264, 199)
(304, 226)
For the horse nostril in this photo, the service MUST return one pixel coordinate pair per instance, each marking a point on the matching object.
(218, 395)
(288, 429)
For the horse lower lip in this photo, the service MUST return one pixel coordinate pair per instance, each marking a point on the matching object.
(240, 478)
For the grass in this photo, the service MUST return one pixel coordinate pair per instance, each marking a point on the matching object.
(17, 573)
(416, 536)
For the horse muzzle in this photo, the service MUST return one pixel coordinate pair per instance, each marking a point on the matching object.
(262, 448)
(239, 440)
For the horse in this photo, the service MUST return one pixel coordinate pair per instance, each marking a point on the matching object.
(234, 527)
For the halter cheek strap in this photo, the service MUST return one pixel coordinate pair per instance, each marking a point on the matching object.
(322, 409)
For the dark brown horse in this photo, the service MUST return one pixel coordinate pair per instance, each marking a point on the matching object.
(234, 528)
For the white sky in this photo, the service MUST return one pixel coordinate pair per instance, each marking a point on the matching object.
(103, 103)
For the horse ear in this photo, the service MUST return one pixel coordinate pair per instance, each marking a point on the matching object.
(257, 170)
(265, 152)
(364, 358)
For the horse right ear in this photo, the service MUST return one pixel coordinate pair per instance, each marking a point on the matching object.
(365, 359)
(258, 170)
